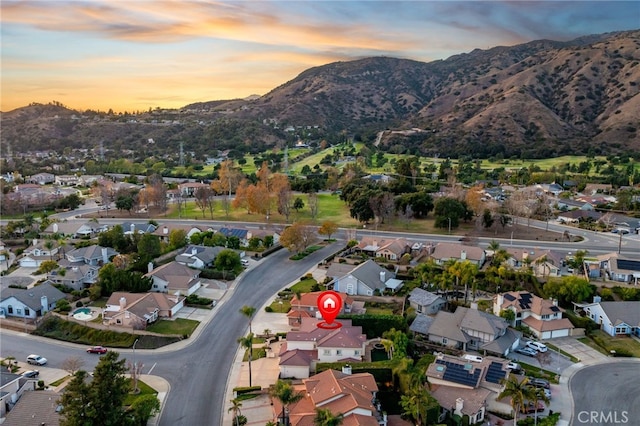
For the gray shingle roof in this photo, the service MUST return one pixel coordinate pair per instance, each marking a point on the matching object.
(31, 297)
(369, 273)
(619, 312)
(422, 297)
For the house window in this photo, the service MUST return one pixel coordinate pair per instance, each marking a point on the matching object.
(444, 341)
(118, 321)
(544, 317)
(420, 309)
(326, 352)
(27, 311)
(18, 311)
(10, 309)
(155, 286)
(338, 352)
(356, 352)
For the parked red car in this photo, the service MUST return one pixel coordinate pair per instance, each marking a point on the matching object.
(97, 350)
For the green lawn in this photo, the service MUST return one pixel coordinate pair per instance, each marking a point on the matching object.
(144, 389)
(179, 326)
(303, 286)
(604, 343)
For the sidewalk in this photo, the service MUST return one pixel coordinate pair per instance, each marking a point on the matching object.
(265, 371)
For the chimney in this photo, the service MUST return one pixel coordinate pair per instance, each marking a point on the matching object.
(44, 302)
(463, 255)
(165, 230)
(55, 228)
(459, 405)
(123, 302)
(383, 276)
(194, 251)
(555, 302)
(35, 242)
(133, 228)
(105, 258)
(346, 369)
(150, 267)
(597, 299)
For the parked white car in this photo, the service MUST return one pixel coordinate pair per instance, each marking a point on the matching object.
(540, 347)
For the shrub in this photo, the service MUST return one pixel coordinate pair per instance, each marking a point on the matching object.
(268, 309)
(79, 304)
(246, 389)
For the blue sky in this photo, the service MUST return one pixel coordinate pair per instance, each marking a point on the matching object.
(135, 55)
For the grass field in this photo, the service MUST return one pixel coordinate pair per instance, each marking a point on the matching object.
(178, 326)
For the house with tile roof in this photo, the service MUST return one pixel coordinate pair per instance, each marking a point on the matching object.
(467, 388)
(29, 303)
(137, 310)
(472, 329)
(444, 252)
(543, 263)
(542, 316)
(425, 302)
(391, 249)
(352, 395)
(367, 279)
(615, 318)
(174, 278)
(311, 344)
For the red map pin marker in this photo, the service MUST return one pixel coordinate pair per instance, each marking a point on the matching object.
(329, 305)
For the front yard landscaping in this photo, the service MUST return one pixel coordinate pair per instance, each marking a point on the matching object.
(178, 326)
(622, 345)
(282, 303)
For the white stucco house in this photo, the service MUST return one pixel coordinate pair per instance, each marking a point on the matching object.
(29, 303)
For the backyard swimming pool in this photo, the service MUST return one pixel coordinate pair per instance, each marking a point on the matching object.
(83, 314)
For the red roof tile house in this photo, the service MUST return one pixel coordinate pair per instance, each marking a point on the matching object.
(352, 395)
(311, 344)
(307, 307)
(542, 316)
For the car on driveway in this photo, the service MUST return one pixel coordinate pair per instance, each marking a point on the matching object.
(540, 347)
(526, 351)
(244, 262)
(531, 408)
(31, 374)
(34, 359)
(97, 350)
(539, 383)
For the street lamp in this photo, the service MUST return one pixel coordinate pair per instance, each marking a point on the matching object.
(135, 366)
(449, 224)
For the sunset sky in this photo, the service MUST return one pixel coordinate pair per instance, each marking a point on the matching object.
(135, 55)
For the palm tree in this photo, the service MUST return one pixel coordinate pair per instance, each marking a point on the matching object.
(519, 392)
(287, 395)
(542, 397)
(248, 311)
(49, 246)
(324, 417)
(298, 294)
(247, 343)
(388, 347)
(235, 408)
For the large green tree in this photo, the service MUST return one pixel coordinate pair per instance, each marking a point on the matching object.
(284, 392)
(99, 402)
(520, 393)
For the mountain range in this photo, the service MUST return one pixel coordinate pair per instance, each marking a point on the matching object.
(539, 99)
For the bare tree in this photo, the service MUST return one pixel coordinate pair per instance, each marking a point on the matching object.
(312, 199)
(136, 370)
(72, 364)
(204, 199)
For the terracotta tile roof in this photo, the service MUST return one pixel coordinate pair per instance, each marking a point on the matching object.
(298, 357)
(311, 299)
(473, 399)
(539, 325)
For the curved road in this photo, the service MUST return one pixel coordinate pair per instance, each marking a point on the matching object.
(612, 399)
(197, 373)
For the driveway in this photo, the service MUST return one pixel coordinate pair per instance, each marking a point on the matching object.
(586, 354)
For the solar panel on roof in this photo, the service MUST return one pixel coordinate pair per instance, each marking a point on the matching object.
(509, 297)
(629, 265)
(495, 373)
(554, 308)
